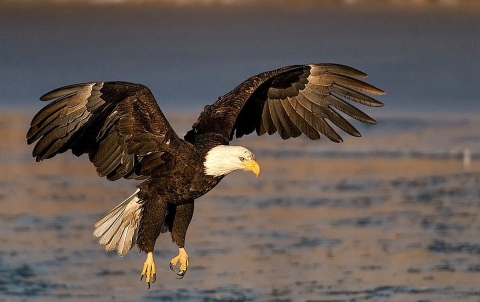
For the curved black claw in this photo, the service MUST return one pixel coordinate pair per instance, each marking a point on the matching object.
(180, 274)
(154, 278)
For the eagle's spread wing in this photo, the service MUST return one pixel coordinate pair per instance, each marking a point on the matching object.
(292, 100)
(118, 124)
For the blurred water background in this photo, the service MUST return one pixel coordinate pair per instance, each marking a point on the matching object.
(423, 53)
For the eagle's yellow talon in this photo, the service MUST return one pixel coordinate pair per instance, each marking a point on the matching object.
(181, 258)
(149, 270)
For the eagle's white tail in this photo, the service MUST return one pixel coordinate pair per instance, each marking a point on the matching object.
(118, 228)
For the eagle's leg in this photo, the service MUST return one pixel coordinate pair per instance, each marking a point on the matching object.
(149, 270)
(153, 215)
(182, 216)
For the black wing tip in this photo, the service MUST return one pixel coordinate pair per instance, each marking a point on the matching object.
(377, 91)
(40, 155)
(64, 91)
(335, 139)
(374, 103)
(339, 68)
(377, 104)
(47, 96)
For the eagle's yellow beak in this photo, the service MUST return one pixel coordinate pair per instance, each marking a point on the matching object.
(252, 166)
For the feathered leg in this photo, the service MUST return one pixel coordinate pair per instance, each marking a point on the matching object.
(150, 227)
(180, 219)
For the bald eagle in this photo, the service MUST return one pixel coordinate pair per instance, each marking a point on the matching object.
(125, 134)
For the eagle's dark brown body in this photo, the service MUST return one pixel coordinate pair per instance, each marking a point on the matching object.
(172, 196)
(125, 134)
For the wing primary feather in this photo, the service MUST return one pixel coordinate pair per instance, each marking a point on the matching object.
(350, 110)
(341, 122)
(58, 122)
(318, 118)
(298, 115)
(332, 100)
(267, 121)
(334, 117)
(323, 127)
(64, 92)
(329, 132)
(43, 115)
(313, 117)
(322, 69)
(276, 121)
(355, 96)
(292, 117)
(288, 128)
(50, 143)
(354, 84)
(305, 108)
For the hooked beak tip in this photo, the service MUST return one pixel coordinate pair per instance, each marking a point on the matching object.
(253, 167)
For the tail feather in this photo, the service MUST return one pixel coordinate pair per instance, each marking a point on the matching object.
(118, 228)
(127, 241)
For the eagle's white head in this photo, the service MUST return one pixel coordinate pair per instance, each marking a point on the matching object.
(222, 160)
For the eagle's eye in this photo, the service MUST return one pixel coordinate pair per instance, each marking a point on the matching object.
(242, 159)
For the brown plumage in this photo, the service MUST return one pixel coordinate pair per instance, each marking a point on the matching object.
(125, 134)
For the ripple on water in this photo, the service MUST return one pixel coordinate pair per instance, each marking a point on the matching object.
(21, 280)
